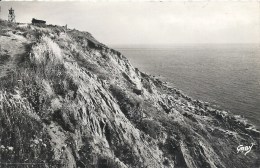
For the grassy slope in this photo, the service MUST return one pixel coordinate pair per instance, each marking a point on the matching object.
(69, 100)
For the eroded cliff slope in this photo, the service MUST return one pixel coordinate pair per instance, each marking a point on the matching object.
(67, 100)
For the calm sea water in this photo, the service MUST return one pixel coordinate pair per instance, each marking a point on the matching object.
(225, 75)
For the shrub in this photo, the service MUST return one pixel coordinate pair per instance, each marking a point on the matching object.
(4, 58)
(152, 128)
(107, 162)
(46, 51)
(19, 123)
(130, 103)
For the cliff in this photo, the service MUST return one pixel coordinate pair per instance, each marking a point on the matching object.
(67, 100)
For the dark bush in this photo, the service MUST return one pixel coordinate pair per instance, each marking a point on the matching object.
(130, 103)
(137, 91)
(152, 128)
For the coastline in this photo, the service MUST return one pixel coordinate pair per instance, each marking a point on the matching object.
(238, 120)
(227, 86)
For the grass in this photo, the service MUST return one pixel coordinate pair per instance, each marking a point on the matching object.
(46, 52)
(152, 128)
(129, 102)
(16, 119)
(4, 58)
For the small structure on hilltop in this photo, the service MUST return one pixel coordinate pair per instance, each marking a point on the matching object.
(36, 21)
(11, 15)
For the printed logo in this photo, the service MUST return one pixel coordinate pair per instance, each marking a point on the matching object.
(244, 149)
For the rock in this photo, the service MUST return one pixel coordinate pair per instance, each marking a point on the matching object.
(137, 91)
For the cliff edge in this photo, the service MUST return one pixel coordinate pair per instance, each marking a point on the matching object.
(67, 100)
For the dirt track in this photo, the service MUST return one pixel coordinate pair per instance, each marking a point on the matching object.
(11, 46)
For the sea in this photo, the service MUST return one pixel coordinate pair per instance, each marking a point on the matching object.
(225, 75)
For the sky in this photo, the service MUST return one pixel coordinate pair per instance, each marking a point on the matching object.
(149, 23)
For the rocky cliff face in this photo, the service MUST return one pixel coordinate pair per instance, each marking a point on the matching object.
(67, 100)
